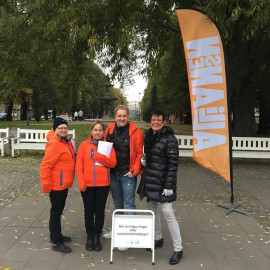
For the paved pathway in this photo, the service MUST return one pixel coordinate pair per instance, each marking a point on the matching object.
(210, 240)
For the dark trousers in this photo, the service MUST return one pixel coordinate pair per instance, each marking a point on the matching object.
(94, 200)
(58, 201)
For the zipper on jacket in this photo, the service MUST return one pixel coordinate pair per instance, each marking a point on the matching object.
(107, 137)
(70, 150)
(130, 151)
(92, 154)
(61, 178)
(95, 174)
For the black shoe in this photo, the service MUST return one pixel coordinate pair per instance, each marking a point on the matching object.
(61, 248)
(64, 239)
(89, 243)
(158, 243)
(176, 257)
(97, 244)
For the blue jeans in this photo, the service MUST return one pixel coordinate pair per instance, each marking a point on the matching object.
(123, 191)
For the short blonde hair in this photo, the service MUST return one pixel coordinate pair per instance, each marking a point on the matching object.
(121, 107)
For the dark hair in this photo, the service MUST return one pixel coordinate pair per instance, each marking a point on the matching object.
(158, 113)
(98, 122)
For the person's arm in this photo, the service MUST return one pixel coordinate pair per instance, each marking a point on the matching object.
(172, 163)
(50, 158)
(109, 162)
(80, 167)
(139, 153)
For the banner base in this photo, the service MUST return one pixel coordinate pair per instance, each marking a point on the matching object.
(232, 208)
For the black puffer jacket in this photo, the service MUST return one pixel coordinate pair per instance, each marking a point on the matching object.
(161, 168)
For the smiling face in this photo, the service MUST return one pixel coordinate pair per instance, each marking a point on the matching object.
(97, 132)
(62, 130)
(157, 123)
(121, 118)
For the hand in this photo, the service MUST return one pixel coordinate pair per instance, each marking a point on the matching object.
(143, 161)
(167, 192)
(129, 174)
(84, 189)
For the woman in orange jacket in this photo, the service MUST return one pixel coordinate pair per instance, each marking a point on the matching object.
(93, 174)
(57, 174)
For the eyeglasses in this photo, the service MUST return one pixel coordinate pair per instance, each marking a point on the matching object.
(157, 120)
(62, 128)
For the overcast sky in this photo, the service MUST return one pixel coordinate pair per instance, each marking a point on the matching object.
(132, 91)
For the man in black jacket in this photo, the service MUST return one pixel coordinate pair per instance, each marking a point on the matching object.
(127, 141)
(161, 149)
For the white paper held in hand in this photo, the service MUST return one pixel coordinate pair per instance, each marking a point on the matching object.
(105, 149)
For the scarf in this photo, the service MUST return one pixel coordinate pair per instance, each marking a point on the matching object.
(66, 139)
(150, 139)
(95, 142)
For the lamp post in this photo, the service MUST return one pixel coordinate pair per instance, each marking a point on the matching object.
(139, 107)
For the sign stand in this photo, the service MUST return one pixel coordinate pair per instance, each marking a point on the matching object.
(133, 231)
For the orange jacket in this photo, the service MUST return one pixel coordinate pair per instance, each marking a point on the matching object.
(50, 135)
(136, 146)
(58, 165)
(89, 174)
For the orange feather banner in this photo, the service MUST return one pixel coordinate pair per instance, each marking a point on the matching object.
(208, 91)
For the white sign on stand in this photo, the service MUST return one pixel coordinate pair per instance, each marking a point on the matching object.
(133, 231)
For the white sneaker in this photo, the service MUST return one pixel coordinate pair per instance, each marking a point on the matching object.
(123, 248)
(108, 235)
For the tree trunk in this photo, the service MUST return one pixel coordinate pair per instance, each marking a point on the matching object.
(24, 106)
(36, 103)
(53, 113)
(45, 112)
(244, 115)
(9, 111)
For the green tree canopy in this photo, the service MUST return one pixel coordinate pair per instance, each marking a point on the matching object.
(45, 45)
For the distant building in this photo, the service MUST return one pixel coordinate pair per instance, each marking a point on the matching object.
(134, 109)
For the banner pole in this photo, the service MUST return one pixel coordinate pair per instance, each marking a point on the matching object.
(232, 208)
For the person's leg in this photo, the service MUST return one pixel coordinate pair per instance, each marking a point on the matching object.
(117, 192)
(89, 201)
(58, 201)
(154, 207)
(173, 226)
(129, 186)
(100, 203)
(89, 197)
